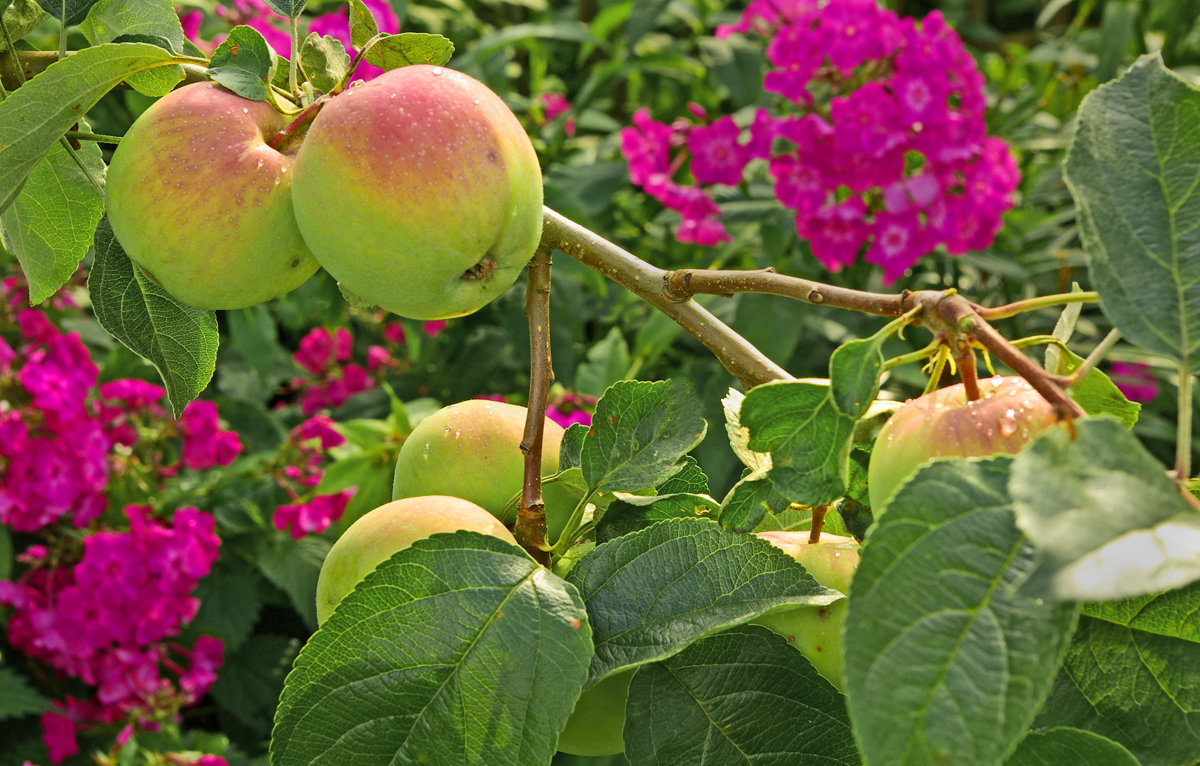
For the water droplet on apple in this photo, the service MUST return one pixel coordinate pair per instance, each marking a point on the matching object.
(245, 110)
(437, 70)
(1008, 424)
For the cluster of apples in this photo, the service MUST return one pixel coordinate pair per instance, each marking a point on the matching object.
(419, 191)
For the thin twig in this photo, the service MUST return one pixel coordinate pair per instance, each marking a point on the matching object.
(79, 135)
(530, 529)
(742, 359)
(1099, 352)
(1043, 301)
(684, 283)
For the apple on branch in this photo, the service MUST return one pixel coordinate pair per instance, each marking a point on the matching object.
(420, 192)
(198, 199)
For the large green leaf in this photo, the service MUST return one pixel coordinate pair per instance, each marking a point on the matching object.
(37, 114)
(179, 340)
(294, 567)
(854, 370)
(1130, 675)
(458, 649)
(394, 51)
(50, 224)
(1132, 171)
(70, 12)
(289, 8)
(109, 19)
(808, 438)
(946, 661)
(17, 697)
(21, 18)
(744, 696)
(244, 63)
(652, 592)
(639, 433)
(324, 60)
(1105, 518)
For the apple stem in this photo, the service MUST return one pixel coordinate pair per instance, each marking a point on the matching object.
(530, 529)
(284, 139)
(966, 369)
(818, 523)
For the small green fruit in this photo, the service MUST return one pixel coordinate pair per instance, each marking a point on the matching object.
(389, 528)
(598, 719)
(420, 192)
(816, 630)
(1008, 414)
(199, 201)
(472, 450)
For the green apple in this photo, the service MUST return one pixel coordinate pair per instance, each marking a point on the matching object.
(420, 192)
(198, 199)
(472, 450)
(1008, 414)
(816, 630)
(389, 528)
(598, 719)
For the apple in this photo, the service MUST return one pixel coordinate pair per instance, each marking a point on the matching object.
(816, 630)
(1008, 414)
(378, 534)
(420, 192)
(596, 723)
(198, 199)
(472, 450)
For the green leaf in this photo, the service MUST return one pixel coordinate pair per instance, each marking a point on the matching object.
(324, 60)
(229, 604)
(1056, 747)
(179, 340)
(288, 8)
(607, 362)
(394, 51)
(362, 24)
(854, 371)
(251, 678)
(571, 446)
(21, 18)
(690, 479)
(946, 661)
(37, 114)
(809, 440)
(630, 512)
(458, 649)
(6, 553)
(70, 12)
(244, 63)
(294, 566)
(109, 19)
(1131, 168)
(1130, 676)
(739, 435)
(49, 226)
(1096, 393)
(750, 501)
(639, 433)
(1107, 521)
(741, 696)
(651, 593)
(17, 697)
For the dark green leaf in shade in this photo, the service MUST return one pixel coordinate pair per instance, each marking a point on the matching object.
(49, 226)
(744, 696)
(362, 24)
(179, 340)
(294, 566)
(607, 362)
(639, 433)
(946, 661)
(70, 12)
(35, 116)
(250, 679)
(1130, 676)
(244, 63)
(458, 649)
(1107, 521)
(809, 440)
(324, 60)
(750, 501)
(17, 697)
(652, 592)
(628, 513)
(229, 603)
(854, 508)
(21, 18)
(6, 553)
(394, 51)
(854, 371)
(1056, 747)
(1096, 393)
(571, 445)
(108, 20)
(1131, 168)
(288, 8)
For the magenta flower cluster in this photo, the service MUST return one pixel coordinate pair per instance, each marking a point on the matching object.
(306, 449)
(325, 356)
(108, 619)
(881, 150)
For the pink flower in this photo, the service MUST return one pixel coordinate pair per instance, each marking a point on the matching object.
(433, 327)
(58, 732)
(204, 443)
(717, 157)
(314, 516)
(1135, 379)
